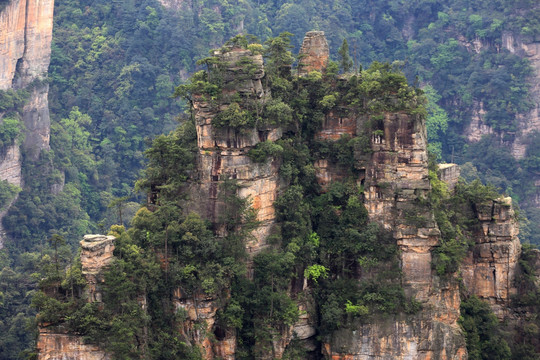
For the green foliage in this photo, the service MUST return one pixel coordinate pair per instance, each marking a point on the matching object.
(345, 62)
(436, 122)
(234, 117)
(10, 130)
(484, 340)
(263, 150)
(7, 193)
(13, 100)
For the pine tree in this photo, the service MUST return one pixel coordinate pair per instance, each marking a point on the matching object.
(346, 62)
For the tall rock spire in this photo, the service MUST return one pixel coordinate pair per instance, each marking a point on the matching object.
(314, 53)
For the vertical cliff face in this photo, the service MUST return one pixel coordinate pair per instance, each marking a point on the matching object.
(396, 179)
(25, 49)
(223, 151)
(314, 53)
(53, 345)
(96, 253)
(490, 267)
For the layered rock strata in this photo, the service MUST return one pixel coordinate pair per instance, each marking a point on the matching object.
(96, 254)
(53, 345)
(201, 309)
(449, 173)
(314, 53)
(25, 49)
(223, 151)
(396, 179)
(489, 269)
(56, 344)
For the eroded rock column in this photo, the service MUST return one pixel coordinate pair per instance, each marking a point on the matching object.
(489, 269)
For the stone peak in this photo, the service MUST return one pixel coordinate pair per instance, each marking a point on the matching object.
(97, 238)
(314, 53)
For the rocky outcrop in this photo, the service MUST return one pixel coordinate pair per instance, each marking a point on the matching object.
(96, 254)
(25, 49)
(10, 165)
(223, 152)
(490, 267)
(449, 173)
(53, 345)
(529, 122)
(477, 128)
(396, 179)
(215, 342)
(314, 53)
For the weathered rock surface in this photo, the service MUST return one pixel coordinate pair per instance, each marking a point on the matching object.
(314, 53)
(10, 165)
(53, 345)
(96, 254)
(396, 179)
(449, 173)
(223, 151)
(200, 309)
(490, 267)
(25, 49)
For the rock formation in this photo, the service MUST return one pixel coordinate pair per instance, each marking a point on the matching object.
(396, 178)
(449, 173)
(55, 343)
(223, 151)
(96, 253)
(314, 53)
(204, 309)
(25, 49)
(490, 267)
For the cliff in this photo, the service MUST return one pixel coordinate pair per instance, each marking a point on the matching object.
(56, 343)
(395, 178)
(53, 345)
(223, 151)
(529, 122)
(384, 166)
(25, 49)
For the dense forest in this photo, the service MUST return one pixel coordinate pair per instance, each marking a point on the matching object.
(115, 66)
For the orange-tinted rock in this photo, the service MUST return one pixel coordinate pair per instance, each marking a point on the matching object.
(56, 345)
(395, 179)
(25, 49)
(314, 53)
(223, 151)
(214, 341)
(336, 125)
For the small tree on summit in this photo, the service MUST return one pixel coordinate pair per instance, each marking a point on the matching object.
(345, 62)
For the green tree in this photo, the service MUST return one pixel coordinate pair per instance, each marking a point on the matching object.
(345, 61)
